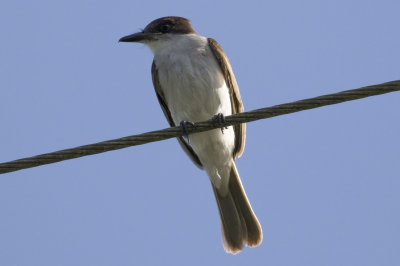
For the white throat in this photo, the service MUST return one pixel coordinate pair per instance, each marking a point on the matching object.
(176, 42)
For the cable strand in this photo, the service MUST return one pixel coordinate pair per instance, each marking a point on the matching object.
(172, 132)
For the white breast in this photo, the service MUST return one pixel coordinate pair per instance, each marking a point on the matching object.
(195, 90)
(191, 79)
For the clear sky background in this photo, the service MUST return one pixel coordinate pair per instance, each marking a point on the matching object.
(324, 183)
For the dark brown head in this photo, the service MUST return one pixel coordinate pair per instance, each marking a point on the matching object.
(161, 26)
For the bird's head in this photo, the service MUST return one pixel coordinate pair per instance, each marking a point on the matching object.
(160, 30)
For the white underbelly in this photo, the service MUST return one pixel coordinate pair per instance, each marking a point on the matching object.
(197, 104)
(194, 89)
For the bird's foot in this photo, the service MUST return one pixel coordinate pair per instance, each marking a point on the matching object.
(184, 125)
(220, 119)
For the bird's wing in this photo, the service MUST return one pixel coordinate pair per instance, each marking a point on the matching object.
(161, 99)
(236, 101)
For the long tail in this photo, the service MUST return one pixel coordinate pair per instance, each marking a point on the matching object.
(239, 223)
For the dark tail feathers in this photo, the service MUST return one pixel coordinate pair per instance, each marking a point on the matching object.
(239, 223)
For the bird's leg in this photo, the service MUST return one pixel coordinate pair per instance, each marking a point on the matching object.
(220, 119)
(184, 129)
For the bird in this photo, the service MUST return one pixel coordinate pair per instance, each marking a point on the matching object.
(194, 81)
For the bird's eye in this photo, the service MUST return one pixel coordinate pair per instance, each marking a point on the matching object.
(165, 28)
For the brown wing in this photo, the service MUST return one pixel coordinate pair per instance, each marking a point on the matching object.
(161, 99)
(236, 100)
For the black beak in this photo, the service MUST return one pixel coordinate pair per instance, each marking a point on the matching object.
(138, 37)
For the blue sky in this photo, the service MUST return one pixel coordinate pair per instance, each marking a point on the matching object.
(324, 183)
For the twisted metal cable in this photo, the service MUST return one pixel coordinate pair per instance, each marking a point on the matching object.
(168, 133)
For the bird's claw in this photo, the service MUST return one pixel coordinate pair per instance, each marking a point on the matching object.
(184, 128)
(220, 119)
